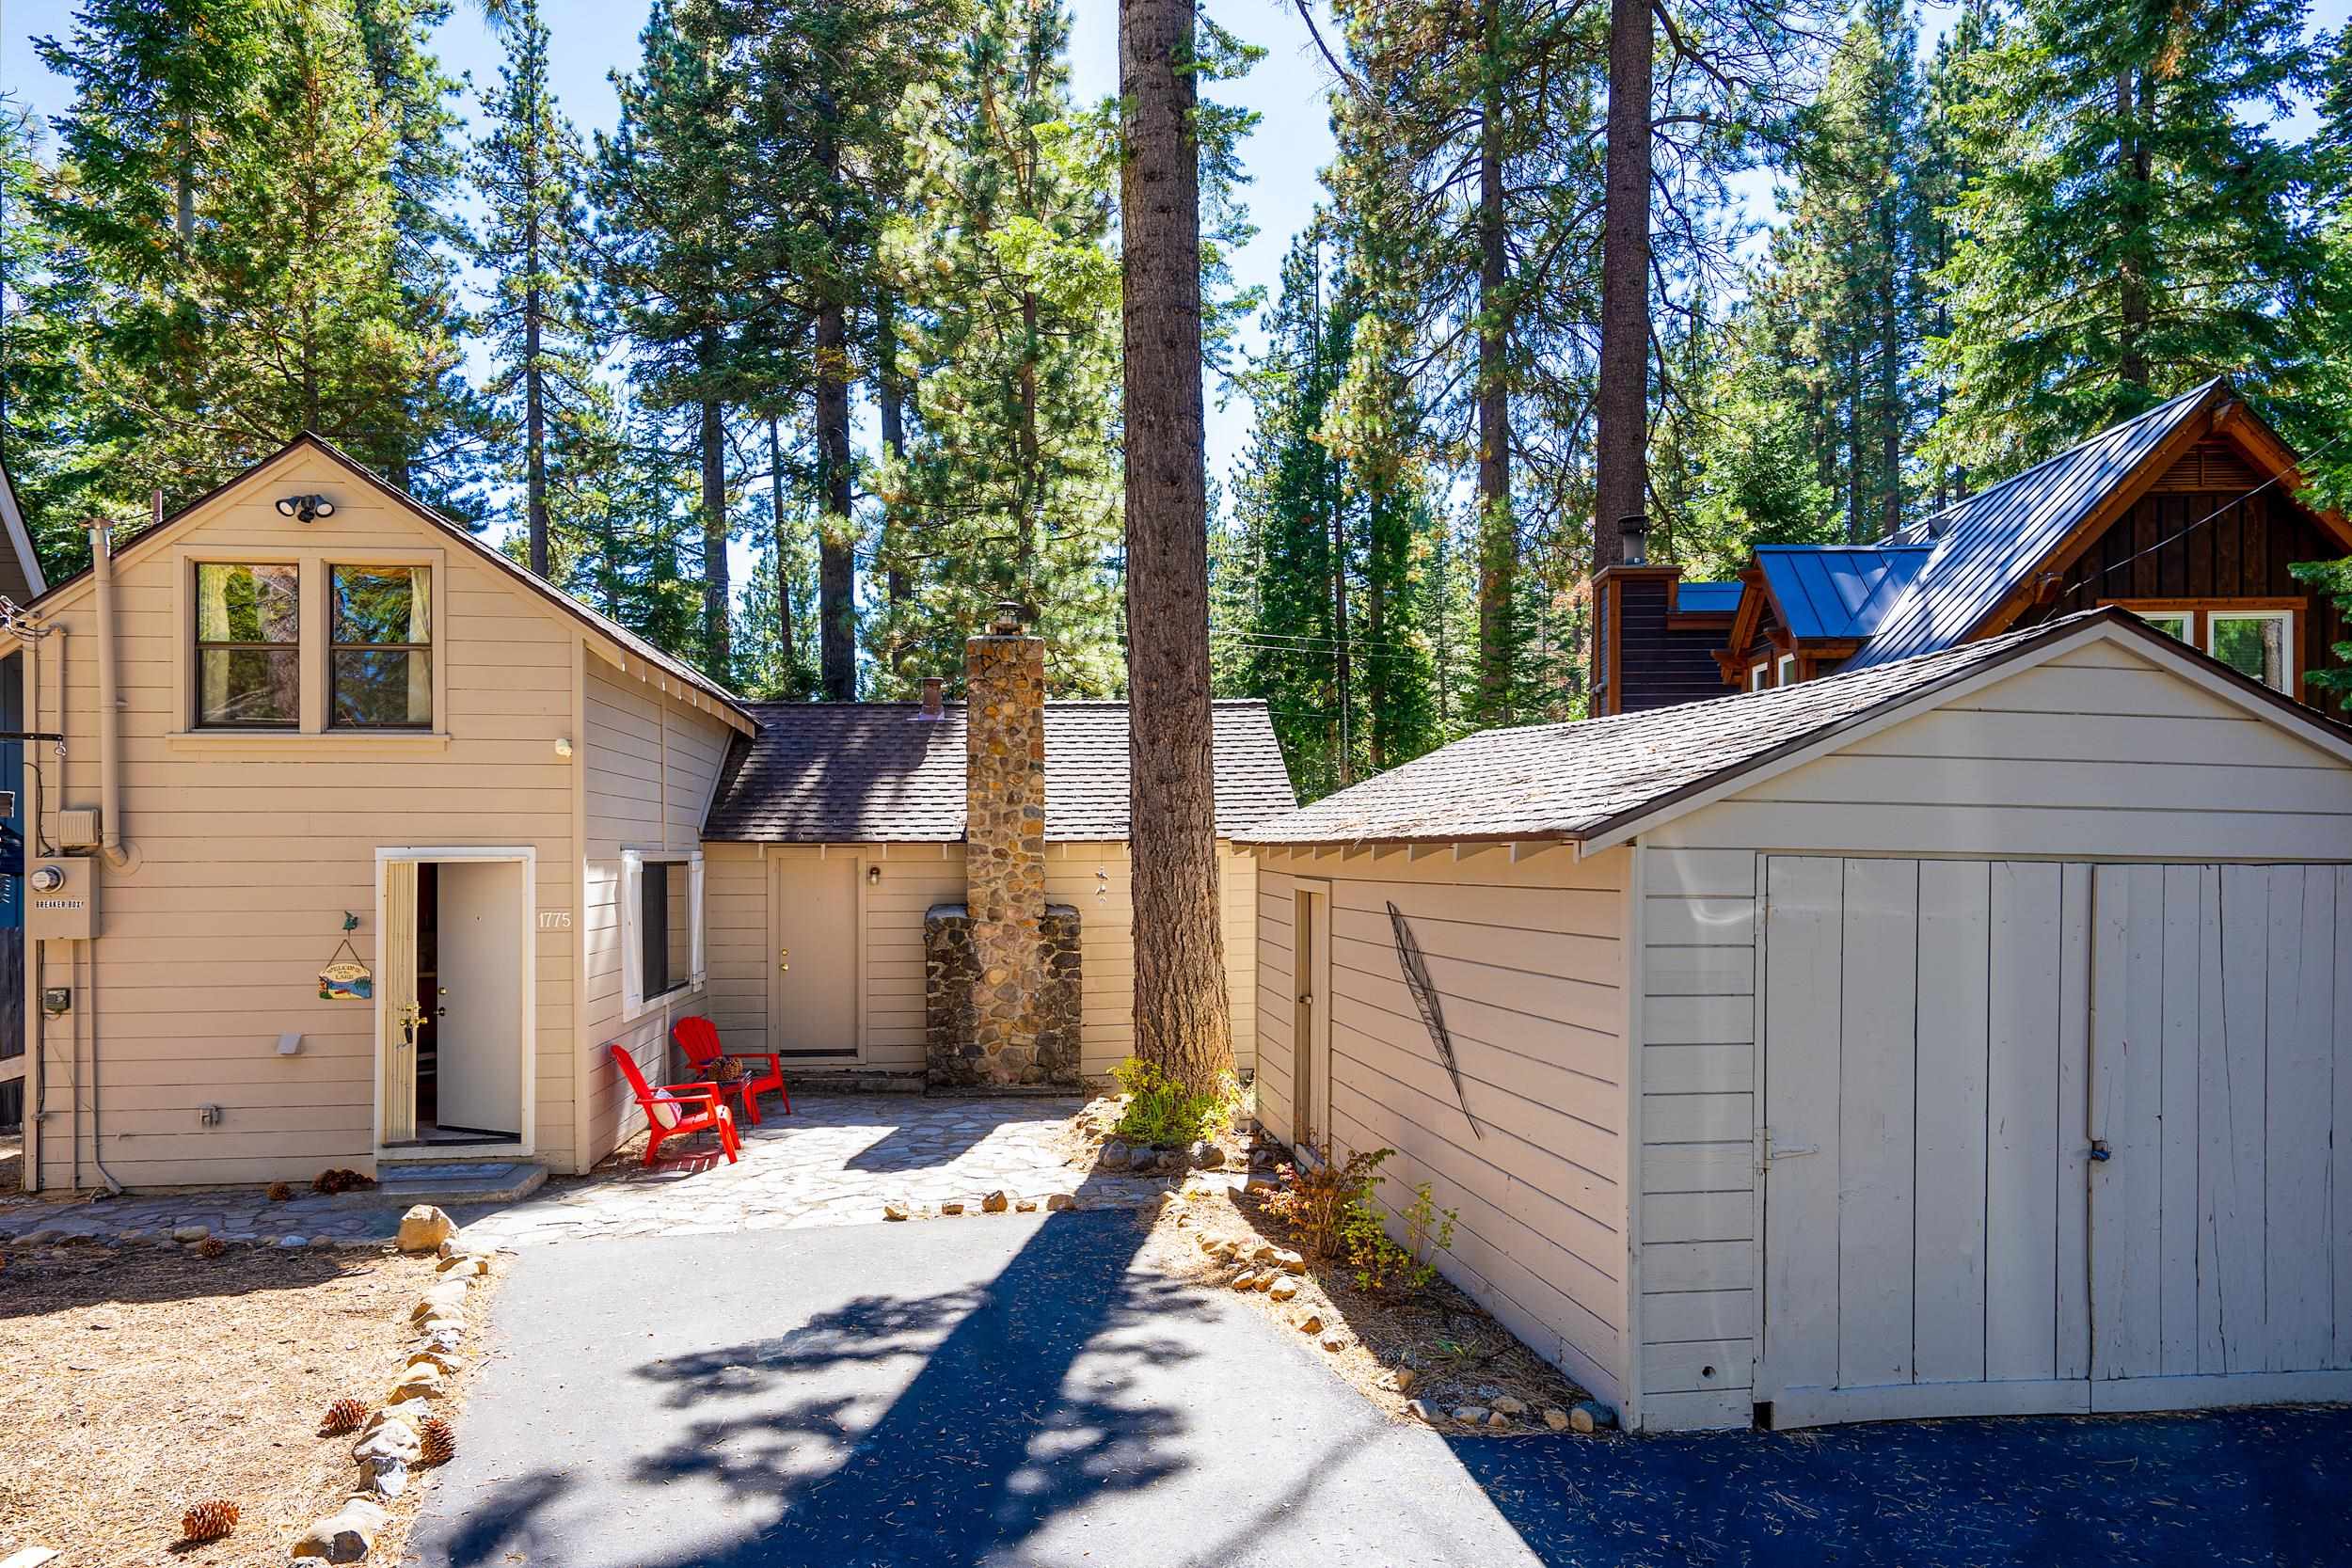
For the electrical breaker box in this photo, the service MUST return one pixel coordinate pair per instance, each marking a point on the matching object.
(61, 898)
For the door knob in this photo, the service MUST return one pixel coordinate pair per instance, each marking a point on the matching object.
(2099, 1149)
(1308, 1000)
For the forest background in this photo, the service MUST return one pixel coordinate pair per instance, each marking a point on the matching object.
(790, 335)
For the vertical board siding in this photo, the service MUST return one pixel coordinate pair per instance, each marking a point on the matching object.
(1696, 1247)
(1529, 961)
(651, 763)
(249, 854)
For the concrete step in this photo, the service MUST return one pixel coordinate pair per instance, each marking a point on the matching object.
(451, 1181)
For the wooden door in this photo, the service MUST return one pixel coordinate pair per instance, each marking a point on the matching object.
(815, 980)
(2221, 1102)
(479, 1007)
(397, 1008)
(1310, 913)
(1923, 1150)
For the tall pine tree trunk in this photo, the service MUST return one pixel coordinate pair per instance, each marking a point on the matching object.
(890, 400)
(2133, 110)
(718, 641)
(1181, 1023)
(1621, 442)
(781, 542)
(534, 425)
(1891, 420)
(836, 541)
(1498, 532)
(1855, 471)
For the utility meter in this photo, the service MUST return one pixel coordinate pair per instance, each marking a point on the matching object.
(61, 899)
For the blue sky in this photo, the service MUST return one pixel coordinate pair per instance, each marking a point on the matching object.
(1283, 157)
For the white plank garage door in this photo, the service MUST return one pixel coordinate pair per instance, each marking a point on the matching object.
(2045, 1137)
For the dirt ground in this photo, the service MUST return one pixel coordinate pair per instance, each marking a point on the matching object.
(1434, 1345)
(145, 1379)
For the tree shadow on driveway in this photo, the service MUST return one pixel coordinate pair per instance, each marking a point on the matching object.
(942, 1428)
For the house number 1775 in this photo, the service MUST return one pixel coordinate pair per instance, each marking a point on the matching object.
(555, 920)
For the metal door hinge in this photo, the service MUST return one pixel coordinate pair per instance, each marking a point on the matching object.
(1768, 1151)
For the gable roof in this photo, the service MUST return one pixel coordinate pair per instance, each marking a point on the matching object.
(601, 625)
(880, 772)
(20, 544)
(1838, 590)
(1594, 777)
(1987, 545)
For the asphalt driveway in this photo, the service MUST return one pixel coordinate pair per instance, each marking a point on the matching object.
(1017, 1389)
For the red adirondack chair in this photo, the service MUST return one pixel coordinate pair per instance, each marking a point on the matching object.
(699, 1038)
(668, 1109)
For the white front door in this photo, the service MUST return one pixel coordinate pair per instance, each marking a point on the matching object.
(479, 1000)
(2044, 1138)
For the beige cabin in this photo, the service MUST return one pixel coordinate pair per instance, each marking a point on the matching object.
(332, 704)
(1968, 1035)
(381, 843)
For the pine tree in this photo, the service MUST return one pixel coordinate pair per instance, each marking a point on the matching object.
(59, 475)
(530, 170)
(679, 230)
(1008, 321)
(2136, 225)
(226, 192)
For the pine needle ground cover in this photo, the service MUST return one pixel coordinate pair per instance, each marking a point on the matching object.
(144, 1380)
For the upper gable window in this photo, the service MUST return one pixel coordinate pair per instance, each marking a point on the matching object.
(2253, 643)
(1785, 671)
(1759, 675)
(380, 657)
(248, 645)
(2172, 623)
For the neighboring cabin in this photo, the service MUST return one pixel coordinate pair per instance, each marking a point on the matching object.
(21, 583)
(358, 708)
(1788, 1021)
(2186, 516)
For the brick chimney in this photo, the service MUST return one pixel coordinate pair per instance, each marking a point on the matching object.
(1005, 841)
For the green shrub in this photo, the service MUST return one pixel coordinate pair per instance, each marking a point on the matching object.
(1160, 1112)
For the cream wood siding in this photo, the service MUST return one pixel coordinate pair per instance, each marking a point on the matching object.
(1530, 958)
(910, 879)
(249, 854)
(2095, 753)
(650, 765)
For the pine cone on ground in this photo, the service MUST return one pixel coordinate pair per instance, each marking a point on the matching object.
(279, 1193)
(344, 1416)
(211, 1246)
(436, 1441)
(208, 1521)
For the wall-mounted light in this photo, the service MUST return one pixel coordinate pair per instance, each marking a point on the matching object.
(564, 746)
(873, 875)
(307, 509)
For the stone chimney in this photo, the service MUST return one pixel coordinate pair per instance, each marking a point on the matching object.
(1004, 850)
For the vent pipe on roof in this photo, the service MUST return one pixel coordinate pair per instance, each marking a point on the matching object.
(1634, 532)
(933, 702)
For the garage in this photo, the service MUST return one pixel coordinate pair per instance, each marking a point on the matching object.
(1968, 1035)
(2063, 1135)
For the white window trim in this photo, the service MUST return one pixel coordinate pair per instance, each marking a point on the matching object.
(1759, 675)
(635, 1003)
(1785, 671)
(2285, 618)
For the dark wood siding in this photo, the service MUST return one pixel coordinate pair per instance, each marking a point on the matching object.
(2158, 550)
(1661, 665)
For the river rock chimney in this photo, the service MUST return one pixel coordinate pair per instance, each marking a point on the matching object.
(1004, 850)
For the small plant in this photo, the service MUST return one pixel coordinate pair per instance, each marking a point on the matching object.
(1381, 1264)
(1159, 1111)
(1318, 1199)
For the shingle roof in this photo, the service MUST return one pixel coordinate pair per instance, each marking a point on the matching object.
(1708, 598)
(879, 772)
(1838, 590)
(1985, 545)
(1574, 780)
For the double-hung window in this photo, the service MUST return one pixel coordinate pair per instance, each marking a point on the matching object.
(248, 645)
(661, 925)
(1785, 671)
(380, 659)
(1759, 675)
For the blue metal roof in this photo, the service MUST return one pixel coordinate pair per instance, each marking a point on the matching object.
(1985, 545)
(1708, 598)
(1839, 590)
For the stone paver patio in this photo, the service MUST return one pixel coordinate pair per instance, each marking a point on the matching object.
(837, 1160)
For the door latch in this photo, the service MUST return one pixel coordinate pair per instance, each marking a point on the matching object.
(784, 959)
(2099, 1149)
